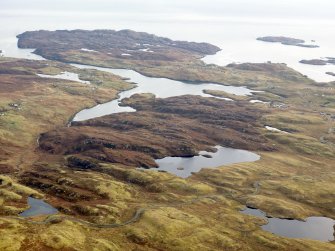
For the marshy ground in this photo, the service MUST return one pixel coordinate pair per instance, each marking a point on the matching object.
(41, 156)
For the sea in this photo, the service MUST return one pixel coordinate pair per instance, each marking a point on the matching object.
(233, 25)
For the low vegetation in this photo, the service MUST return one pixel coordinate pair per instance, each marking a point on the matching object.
(89, 170)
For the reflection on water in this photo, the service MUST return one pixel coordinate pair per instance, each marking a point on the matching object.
(315, 228)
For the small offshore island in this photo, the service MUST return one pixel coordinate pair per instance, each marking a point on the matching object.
(91, 171)
(287, 41)
(328, 60)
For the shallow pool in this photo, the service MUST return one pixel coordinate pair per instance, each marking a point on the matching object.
(38, 207)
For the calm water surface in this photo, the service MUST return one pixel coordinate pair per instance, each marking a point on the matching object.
(38, 207)
(160, 87)
(315, 228)
(184, 167)
(232, 25)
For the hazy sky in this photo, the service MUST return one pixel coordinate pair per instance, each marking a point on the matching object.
(321, 9)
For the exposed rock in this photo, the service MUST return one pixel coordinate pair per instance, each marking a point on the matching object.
(207, 156)
(80, 163)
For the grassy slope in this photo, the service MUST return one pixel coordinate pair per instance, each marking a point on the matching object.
(43, 104)
(295, 182)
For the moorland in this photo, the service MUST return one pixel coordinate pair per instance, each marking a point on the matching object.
(89, 171)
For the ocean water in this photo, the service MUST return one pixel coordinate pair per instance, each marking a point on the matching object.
(232, 25)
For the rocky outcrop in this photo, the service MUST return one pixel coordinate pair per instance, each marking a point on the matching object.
(80, 163)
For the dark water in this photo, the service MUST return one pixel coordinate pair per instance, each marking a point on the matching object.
(184, 167)
(38, 207)
(315, 228)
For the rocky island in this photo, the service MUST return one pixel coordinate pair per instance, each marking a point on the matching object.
(328, 60)
(287, 41)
